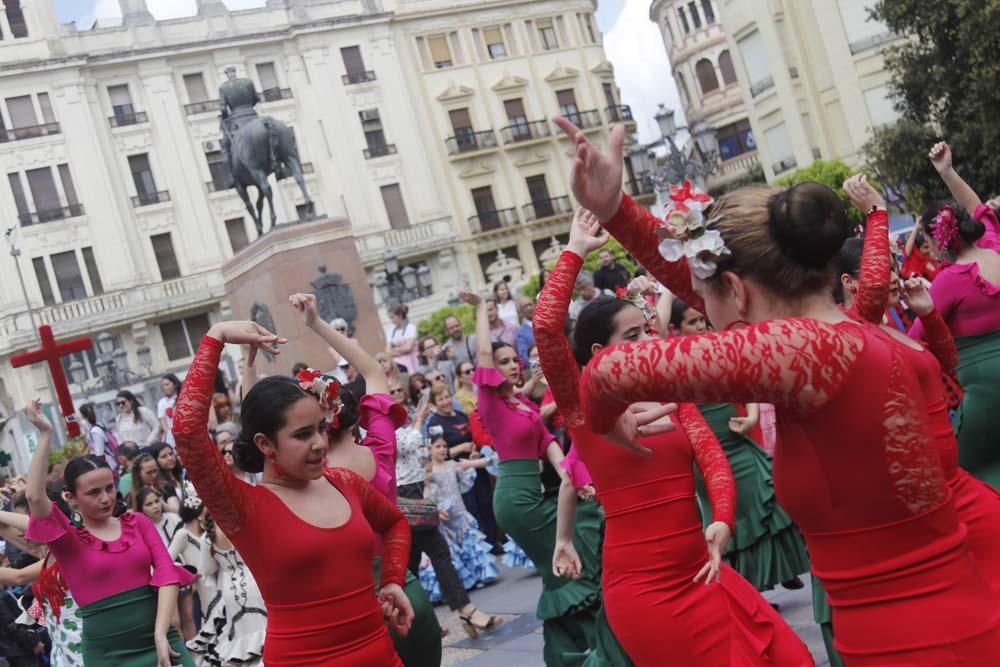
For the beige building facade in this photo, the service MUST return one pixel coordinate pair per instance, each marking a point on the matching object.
(424, 123)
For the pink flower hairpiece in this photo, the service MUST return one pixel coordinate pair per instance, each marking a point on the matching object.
(324, 388)
(686, 231)
(945, 226)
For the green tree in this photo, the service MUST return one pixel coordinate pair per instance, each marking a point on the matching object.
(831, 173)
(593, 260)
(434, 325)
(944, 76)
(906, 172)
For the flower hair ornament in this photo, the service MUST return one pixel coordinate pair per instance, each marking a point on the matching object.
(636, 299)
(326, 389)
(191, 499)
(686, 232)
(945, 226)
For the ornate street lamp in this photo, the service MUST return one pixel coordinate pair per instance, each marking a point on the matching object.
(680, 165)
(424, 280)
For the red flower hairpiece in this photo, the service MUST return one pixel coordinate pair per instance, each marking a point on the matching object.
(326, 389)
(621, 292)
(945, 226)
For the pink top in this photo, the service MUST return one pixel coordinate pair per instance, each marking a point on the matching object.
(94, 569)
(517, 433)
(969, 303)
(576, 469)
(380, 417)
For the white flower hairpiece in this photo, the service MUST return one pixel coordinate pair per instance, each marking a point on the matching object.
(687, 233)
(191, 499)
(326, 389)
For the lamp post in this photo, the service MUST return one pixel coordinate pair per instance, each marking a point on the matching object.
(402, 285)
(112, 365)
(680, 166)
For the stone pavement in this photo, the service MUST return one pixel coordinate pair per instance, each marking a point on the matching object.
(518, 642)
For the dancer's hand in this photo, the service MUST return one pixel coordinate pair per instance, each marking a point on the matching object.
(306, 305)
(596, 177)
(638, 421)
(33, 411)
(586, 492)
(585, 233)
(917, 296)
(470, 297)
(165, 655)
(247, 333)
(396, 609)
(716, 538)
(641, 285)
(565, 561)
(862, 194)
(742, 425)
(940, 156)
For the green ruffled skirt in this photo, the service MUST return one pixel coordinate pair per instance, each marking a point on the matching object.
(567, 607)
(977, 423)
(422, 645)
(766, 547)
(118, 630)
(823, 615)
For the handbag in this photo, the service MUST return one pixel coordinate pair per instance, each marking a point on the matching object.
(420, 513)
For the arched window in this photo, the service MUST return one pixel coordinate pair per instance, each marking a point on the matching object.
(726, 67)
(706, 76)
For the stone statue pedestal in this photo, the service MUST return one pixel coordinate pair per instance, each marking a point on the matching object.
(286, 260)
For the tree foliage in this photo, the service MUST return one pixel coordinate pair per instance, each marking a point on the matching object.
(434, 325)
(944, 76)
(593, 260)
(831, 173)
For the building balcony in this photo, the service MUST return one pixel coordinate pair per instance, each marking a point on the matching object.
(357, 77)
(379, 151)
(585, 120)
(546, 208)
(408, 241)
(639, 186)
(872, 42)
(738, 165)
(275, 94)
(761, 86)
(150, 198)
(29, 132)
(521, 132)
(125, 119)
(471, 142)
(201, 107)
(490, 221)
(620, 113)
(50, 215)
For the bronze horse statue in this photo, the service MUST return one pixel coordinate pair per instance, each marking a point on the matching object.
(259, 147)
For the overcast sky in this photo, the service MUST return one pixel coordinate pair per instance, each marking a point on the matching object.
(631, 40)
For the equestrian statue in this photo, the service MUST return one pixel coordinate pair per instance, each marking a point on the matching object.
(254, 147)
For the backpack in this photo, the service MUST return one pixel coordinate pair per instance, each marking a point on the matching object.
(112, 444)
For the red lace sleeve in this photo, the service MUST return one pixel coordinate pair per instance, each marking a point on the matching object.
(635, 228)
(712, 463)
(225, 496)
(797, 364)
(385, 519)
(875, 271)
(480, 436)
(940, 341)
(549, 324)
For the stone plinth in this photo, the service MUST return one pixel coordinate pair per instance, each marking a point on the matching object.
(287, 260)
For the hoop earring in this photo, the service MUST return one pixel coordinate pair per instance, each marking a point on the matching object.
(271, 456)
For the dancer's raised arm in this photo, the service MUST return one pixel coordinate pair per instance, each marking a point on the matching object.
(941, 157)
(875, 271)
(484, 344)
(39, 504)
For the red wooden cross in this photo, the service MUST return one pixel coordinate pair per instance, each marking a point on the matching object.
(51, 352)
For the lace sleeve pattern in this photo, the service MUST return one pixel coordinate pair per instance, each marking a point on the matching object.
(549, 322)
(797, 364)
(940, 341)
(712, 463)
(875, 271)
(225, 496)
(635, 228)
(385, 519)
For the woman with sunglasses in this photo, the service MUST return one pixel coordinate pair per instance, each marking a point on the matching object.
(225, 440)
(432, 361)
(134, 422)
(465, 391)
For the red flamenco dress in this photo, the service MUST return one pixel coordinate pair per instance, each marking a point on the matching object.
(653, 544)
(869, 496)
(317, 583)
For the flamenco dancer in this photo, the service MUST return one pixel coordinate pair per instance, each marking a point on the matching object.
(117, 569)
(649, 505)
(330, 516)
(870, 497)
(567, 607)
(966, 292)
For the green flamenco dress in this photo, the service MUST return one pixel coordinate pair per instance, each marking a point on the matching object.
(823, 615)
(977, 421)
(421, 647)
(766, 547)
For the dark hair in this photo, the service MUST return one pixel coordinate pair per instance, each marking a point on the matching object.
(677, 310)
(220, 382)
(210, 530)
(130, 397)
(849, 262)
(496, 289)
(969, 230)
(139, 497)
(21, 500)
(263, 411)
(299, 366)
(499, 345)
(128, 449)
(424, 359)
(412, 392)
(542, 276)
(595, 324)
(400, 310)
(79, 466)
(174, 380)
(54, 492)
(639, 271)
(350, 413)
(784, 239)
(87, 410)
(189, 514)
(177, 472)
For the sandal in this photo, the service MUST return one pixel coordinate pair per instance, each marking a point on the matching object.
(473, 630)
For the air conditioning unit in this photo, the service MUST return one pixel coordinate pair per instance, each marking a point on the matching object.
(213, 145)
(369, 115)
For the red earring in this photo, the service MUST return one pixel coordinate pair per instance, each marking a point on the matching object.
(271, 456)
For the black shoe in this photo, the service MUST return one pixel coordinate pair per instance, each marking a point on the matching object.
(793, 584)
(776, 606)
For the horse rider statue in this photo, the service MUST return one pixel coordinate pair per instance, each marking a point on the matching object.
(254, 146)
